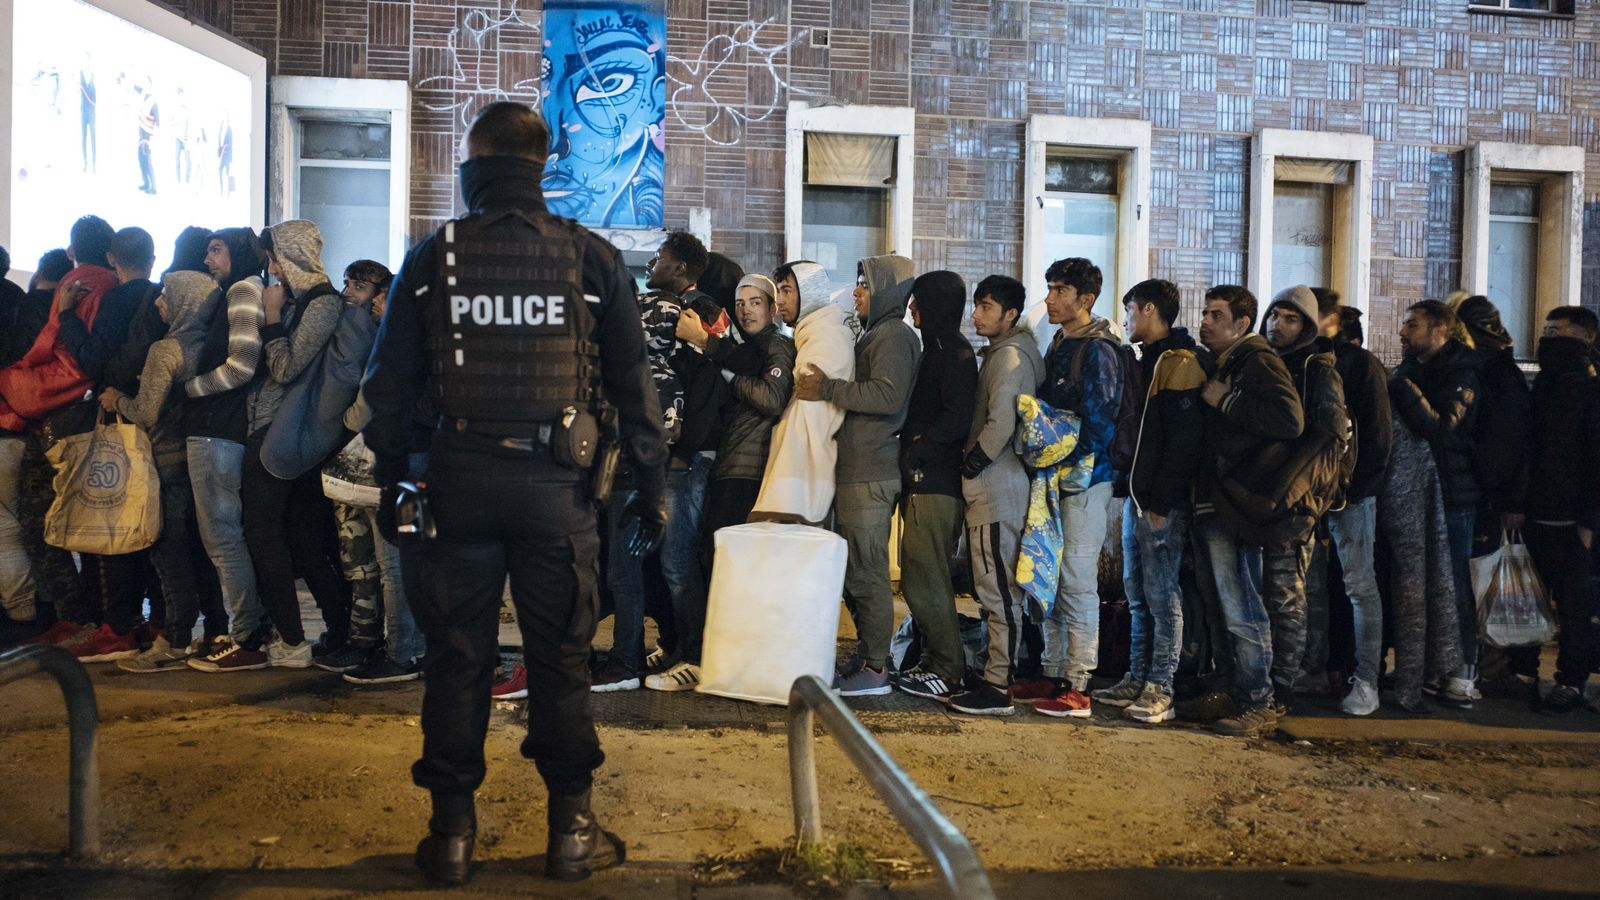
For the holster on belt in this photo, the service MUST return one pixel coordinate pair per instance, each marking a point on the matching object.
(604, 474)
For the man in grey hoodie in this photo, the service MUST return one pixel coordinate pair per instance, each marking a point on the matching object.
(996, 485)
(868, 473)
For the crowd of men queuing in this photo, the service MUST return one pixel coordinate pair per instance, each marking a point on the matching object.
(1290, 510)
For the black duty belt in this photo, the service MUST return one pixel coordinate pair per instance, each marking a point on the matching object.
(511, 435)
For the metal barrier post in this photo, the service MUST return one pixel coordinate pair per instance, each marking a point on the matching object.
(83, 721)
(944, 844)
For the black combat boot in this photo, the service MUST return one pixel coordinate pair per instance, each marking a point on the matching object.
(446, 858)
(578, 845)
(445, 855)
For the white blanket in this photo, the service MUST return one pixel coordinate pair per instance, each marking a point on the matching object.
(799, 477)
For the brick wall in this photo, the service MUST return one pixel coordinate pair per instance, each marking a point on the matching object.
(1423, 77)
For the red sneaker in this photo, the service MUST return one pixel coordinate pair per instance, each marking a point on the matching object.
(1034, 689)
(106, 645)
(60, 631)
(513, 688)
(1068, 703)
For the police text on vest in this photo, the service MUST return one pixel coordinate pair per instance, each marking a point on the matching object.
(516, 310)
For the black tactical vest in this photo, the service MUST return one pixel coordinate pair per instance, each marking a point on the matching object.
(508, 329)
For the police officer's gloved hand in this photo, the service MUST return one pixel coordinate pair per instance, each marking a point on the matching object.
(388, 524)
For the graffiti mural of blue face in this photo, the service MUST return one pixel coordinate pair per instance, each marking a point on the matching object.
(605, 100)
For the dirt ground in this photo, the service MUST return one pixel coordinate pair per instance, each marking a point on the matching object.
(320, 777)
(294, 771)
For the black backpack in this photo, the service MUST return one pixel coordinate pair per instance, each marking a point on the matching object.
(1125, 439)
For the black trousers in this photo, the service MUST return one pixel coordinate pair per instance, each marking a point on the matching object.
(506, 514)
(289, 529)
(1563, 564)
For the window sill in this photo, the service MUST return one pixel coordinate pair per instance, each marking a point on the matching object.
(1519, 13)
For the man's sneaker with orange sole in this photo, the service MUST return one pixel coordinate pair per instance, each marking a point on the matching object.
(106, 645)
(1072, 704)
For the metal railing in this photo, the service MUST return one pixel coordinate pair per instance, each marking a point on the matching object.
(944, 844)
(83, 721)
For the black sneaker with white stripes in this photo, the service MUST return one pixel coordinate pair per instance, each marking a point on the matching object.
(919, 682)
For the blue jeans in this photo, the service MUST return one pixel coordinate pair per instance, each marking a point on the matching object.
(1354, 531)
(625, 581)
(1243, 612)
(1458, 522)
(1072, 631)
(216, 468)
(680, 556)
(1150, 561)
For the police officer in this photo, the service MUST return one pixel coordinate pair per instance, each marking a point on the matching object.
(521, 327)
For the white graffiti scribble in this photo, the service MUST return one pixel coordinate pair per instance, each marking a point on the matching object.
(693, 91)
(469, 86)
(718, 52)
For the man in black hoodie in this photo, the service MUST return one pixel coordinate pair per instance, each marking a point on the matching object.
(1353, 529)
(937, 419)
(1435, 390)
(1558, 503)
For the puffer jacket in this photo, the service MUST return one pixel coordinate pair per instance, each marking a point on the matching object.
(940, 412)
(1439, 400)
(759, 399)
(1261, 405)
(1171, 424)
(1093, 393)
(886, 366)
(1562, 480)
(1011, 367)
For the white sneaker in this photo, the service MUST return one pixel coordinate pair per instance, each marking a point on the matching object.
(161, 657)
(289, 656)
(1457, 692)
(681, 677)
(1362, 699)
(656, 658)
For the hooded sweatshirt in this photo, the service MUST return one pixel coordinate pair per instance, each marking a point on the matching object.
(1310, 341)
(172, 360)
(1011, 367)
(1503, 403)
(218, 395)
(886, 365)
(798, 483)
(292, 344)
(940, 412)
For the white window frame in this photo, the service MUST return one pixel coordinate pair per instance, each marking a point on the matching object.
(1558, 170)
(295, 94)
(1352, 212)
(899, 122)
(1125, 140)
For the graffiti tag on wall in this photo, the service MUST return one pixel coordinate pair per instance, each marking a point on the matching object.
(605, 79)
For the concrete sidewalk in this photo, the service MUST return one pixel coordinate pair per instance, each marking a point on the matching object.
(393, 875)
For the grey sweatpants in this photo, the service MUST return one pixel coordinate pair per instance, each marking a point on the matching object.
(994, 546)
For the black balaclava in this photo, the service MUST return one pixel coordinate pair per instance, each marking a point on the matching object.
(720, 280)
(1559, 355)
(502, 182)
(941, 298)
